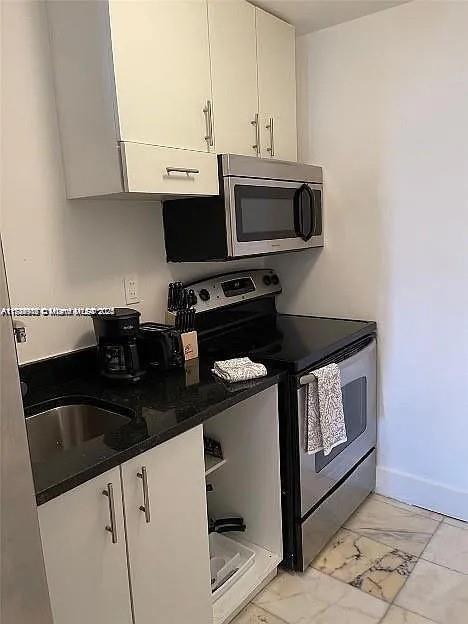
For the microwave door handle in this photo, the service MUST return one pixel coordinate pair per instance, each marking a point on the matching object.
(314, 212)
(297, 212)
(299, 207)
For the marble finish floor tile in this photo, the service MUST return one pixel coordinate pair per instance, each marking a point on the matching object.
(402, 527)
(314, 598)
(436, 593)
(397, 615)
(374, 568)
(449, 547)
(255, 615)
(419, 511)
(457, 523)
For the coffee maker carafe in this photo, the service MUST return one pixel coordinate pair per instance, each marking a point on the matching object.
(117, 344)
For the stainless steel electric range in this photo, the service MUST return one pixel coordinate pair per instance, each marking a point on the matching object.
(236, 315)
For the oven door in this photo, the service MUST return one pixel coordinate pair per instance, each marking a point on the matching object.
(319, 473)
(267, 216)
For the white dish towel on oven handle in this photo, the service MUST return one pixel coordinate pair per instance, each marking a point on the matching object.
(324, 425)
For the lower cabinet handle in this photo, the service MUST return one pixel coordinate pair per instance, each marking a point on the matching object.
(181, 170)
(143, 475)
(270, 127)
(112, 528)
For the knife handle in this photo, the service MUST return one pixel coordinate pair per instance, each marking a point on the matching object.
(192, 297)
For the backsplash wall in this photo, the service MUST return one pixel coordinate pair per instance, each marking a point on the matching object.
(59, 252)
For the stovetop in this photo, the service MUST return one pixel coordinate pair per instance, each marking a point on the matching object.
(237, 316)
(294, 342)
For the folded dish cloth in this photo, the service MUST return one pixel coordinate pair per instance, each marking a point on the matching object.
(239, 369)
(324, 425)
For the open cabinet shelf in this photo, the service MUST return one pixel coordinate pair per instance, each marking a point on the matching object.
(248, 487)
(212, 463)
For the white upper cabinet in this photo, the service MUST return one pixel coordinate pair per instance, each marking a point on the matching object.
(234, 75)
(200, 76)
(276, 87)
(134, 73)
(253, 79)
(162, 72)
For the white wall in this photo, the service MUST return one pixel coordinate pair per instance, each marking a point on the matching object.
(59, 252)
(383, 105)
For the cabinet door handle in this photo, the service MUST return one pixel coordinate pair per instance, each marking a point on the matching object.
(112, 528)
(270, 127)
(209, 123)
(143, 475)
(186, 170)
(255, 123)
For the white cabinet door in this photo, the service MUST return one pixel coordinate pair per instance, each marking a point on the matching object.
(162, 71)
(234, 75)
(86, 572)
(276, 87)
(168, 539)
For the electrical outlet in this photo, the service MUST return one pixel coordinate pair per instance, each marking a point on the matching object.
(131, 288)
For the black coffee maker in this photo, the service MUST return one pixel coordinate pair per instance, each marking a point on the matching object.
(117, 344)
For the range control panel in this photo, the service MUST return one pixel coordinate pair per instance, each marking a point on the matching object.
(223, 290)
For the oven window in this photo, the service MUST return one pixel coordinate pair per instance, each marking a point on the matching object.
(355, 412)
(264, 212)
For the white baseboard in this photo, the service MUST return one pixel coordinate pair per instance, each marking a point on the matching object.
(414, 490)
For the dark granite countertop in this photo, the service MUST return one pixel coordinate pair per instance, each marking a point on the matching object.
(160, 406)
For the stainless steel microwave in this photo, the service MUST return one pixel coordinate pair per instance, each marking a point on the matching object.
(264, 206)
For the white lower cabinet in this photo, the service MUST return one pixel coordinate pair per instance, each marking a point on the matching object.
(167, 531)
(131, 546)
(87, 566)
(86, 572)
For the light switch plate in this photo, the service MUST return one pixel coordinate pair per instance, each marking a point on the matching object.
(131, 288)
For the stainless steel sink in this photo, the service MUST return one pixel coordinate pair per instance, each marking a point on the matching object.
(66, 426)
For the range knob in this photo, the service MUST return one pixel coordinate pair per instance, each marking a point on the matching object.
(275, 280)
(204, 294)
(266, 280)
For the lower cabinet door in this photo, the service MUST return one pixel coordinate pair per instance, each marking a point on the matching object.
(165, 508)
(86, 564)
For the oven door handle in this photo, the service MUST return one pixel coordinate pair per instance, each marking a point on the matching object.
(304, 199)
(307, 379)
(349, 361)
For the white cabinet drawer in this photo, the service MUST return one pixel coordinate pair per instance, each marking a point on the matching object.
(168, 171)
